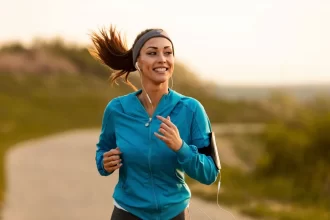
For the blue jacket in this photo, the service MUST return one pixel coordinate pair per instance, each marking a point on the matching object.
(151, 181)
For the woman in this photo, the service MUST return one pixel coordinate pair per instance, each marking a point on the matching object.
(152, 135)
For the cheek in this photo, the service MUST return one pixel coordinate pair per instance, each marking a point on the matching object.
(146, 67)
(146, 62)
(171, 61)
(171, 64)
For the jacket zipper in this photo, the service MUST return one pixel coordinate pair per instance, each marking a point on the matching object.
(148, 124)
(149, 162)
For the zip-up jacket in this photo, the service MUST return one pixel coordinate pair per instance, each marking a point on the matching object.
(151, 181)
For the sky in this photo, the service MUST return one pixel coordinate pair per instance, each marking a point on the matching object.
(236, 42)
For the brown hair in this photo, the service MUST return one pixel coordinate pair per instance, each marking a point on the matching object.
(111, 49)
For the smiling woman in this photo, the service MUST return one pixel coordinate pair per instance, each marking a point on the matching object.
(153, 135)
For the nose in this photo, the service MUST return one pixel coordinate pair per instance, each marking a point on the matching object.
(161, 58)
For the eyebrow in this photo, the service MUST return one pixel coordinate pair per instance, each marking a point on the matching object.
(153, 47)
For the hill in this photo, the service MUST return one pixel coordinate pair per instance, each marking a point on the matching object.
(301, 92)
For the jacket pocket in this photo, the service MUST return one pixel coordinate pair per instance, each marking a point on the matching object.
(173, 194)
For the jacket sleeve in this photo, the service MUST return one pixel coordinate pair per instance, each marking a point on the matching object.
(198, 166)
(107, 139)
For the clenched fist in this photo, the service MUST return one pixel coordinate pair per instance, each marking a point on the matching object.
(111, 160)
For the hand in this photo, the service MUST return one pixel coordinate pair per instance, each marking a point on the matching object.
(111, 160)
(170, 133)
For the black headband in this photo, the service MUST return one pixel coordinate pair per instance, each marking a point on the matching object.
(144, 38)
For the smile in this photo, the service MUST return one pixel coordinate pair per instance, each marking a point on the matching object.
(160, 70)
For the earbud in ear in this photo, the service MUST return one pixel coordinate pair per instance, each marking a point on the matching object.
(137, 67)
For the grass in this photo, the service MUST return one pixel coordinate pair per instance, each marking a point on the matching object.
(260, 198)
(262, 210)
(250, 201)
(34, 106)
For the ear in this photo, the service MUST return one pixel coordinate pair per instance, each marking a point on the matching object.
(137, 66)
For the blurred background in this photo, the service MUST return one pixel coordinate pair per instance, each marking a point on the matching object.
(260, 68)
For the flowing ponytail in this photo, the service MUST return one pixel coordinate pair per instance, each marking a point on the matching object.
(110, 49)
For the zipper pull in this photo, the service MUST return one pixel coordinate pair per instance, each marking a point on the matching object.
(148, 123)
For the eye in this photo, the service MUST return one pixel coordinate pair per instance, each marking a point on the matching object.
(169, 52)
(151, 53)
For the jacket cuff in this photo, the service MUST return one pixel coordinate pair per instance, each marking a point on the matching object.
(185, 153)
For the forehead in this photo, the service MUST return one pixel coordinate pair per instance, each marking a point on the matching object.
(159, 42)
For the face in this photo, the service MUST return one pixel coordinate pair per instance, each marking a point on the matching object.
(156, 61)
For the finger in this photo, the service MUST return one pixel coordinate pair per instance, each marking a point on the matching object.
(112, 163)
(114, 157)
(111, 158)
(166, 121)
(113, 168)
(106, 154)
(112, 152)
(165, 127)
(162, 131)
(161, 137)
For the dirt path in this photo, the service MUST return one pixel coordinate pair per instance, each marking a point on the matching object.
(55, 178)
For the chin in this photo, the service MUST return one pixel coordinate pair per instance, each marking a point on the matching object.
(158, 82)
(161, 79)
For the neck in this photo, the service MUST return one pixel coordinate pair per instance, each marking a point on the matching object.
(155, 93)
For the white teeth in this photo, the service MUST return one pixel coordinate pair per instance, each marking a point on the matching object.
(160, 69)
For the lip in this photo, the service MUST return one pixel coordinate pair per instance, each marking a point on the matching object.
(160, 67)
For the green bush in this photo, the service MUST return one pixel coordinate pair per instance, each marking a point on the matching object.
(298, 149)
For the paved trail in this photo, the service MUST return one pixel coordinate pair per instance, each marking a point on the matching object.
(55, 178)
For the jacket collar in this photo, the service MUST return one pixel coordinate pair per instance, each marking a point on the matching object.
(133, 106)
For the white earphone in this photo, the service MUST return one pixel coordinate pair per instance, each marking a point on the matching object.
(138, 68)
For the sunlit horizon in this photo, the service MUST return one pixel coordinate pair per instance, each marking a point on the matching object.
(249, 43)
